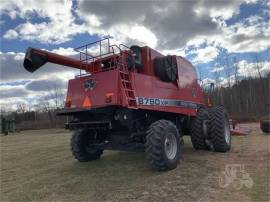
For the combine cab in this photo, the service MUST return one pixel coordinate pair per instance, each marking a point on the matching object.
(135, 98)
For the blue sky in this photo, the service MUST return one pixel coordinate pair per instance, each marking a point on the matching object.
(216, 36)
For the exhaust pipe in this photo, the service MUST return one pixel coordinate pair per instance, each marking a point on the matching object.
(35, 58)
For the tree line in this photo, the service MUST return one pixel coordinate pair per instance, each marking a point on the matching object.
(248, 99)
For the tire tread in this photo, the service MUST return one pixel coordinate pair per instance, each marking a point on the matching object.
(197, 138)
(78, 147)
(218, 116)
(153, 145)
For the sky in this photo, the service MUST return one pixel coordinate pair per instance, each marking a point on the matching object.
(219, 38)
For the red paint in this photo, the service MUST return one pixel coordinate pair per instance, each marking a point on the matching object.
(145, 84)
(59, 59)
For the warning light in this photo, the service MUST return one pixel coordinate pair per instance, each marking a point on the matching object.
(86, 102)
(108, 97)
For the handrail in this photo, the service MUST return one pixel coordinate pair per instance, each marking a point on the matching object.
(111, 46)
(86, 48)
(123, 45)
(108, 39)
(113, 49)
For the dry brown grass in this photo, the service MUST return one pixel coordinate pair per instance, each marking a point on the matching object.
(38, 166)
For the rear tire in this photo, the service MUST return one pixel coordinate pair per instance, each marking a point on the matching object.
(265, 126)
(162, 145)
(198, 136)
(81, 146)
(220, 129)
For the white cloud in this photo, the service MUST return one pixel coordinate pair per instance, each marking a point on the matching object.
(11, 34)
(207, 81)
(167, 21)
(142, 21)
(205, 55)
(218, 9)
(65, 51)
(196, 42)
(217, 69)
(52, 32)
(12, 70)
(131, 35)
(251, 35)
(59, 23)
(161, 25)
(178, 52)
(144, 35)
(18, 85)
(246, 69)
(59, 10)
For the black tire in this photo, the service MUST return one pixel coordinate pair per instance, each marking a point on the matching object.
(219, 129)
(198, 136)
(265, 126)
(157, 148)
(81, 146)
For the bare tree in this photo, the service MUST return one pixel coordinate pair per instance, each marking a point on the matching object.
(258, 67)
(235, 65)
(22, 107)
(227, 70)
(56, 95)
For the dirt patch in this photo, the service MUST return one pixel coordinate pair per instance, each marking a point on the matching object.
(38, 166)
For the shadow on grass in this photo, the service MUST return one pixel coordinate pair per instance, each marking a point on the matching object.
(115, 172)
(119, 169)
(124, 165)
(113, 165)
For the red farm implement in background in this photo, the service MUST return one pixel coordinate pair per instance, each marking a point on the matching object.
(135, 98)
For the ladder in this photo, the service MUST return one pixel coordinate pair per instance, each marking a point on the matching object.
(127, 84)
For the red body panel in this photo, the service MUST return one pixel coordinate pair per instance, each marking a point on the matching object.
(105, 82)
(146, 85)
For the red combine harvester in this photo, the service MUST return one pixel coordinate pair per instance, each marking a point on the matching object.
(135, 98)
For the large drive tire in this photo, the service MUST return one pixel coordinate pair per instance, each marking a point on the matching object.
(162, 145)
(265, 126)
(219, 129)
(81, 146)
(198, 130)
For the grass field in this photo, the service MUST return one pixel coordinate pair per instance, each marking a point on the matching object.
(38, 166)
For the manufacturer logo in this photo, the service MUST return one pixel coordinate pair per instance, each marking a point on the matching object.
(89, 84)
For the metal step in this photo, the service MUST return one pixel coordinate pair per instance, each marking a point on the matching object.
(128, 87)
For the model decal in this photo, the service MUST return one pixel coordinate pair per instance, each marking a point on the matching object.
(166, 102)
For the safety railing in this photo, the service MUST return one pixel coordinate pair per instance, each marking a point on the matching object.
(100, 51)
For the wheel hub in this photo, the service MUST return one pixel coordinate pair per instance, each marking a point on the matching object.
(170, 146)
(227, 133)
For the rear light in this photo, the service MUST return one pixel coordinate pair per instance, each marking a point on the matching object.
(68, 103)
(108, 97)
(209, 102)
